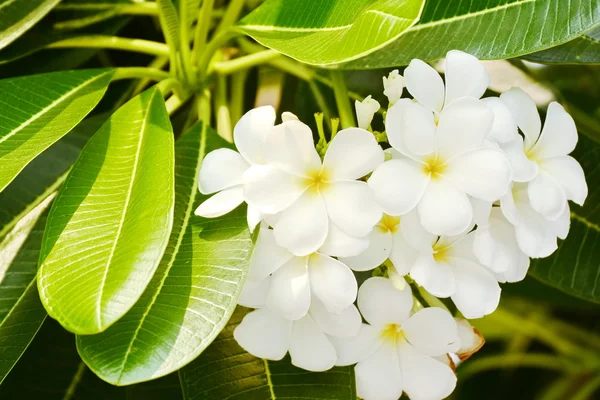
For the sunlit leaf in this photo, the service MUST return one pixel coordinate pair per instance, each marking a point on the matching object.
(111, 220)
(327, 32)
(193, 292)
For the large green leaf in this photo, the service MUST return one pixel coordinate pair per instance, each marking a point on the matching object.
(51, 369)
(328, 32)
(17, 16)
(226, 371)
(111, 220)
(38, 110)
(575, 267)
(584, 49)
(193, 292)
(488, 29)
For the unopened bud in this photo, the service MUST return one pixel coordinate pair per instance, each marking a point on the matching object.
(393, 86)
(365, 110)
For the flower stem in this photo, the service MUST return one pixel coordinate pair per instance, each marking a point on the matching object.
(341, 98)
(113, 43)
(154, 74)
(588, 389)
(144, 8)
(211, 47)
(173, 104)
(245, 62)
(322, 104)
(222, 109)
(202, 27)
(185, 50)
(231, 15)
(238, 91)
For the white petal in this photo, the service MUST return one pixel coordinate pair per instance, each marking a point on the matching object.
(352, 154)
(470, 339)
(403, 256)
(535, 234)
(250, 132)
(253, 217)
(339, 244)
(414, 233)
(264, 334)
(254, 293)
(464, 125)
(436, 277)
(303, 227)
(351, 206)
(523, 168)
(425, 85)
(398, 185)
(508, 205)
(267, 256)
(377, 252)
(411, 128)
(481, 211)
(289, 295)
(546, 196)
(569, 175)
(221, 169)
(444, 209)
(377, 291)
(483, 173)
(365, 110)
(288, 116)
(431, 331)
(424, 377)
(310, 349)
(221, 203)
(332, 282)
(346, 324)
(351, 350)
(271, 190)
(291, 147)
(378, 377)
(477, 291)
(559, 135)
(465, 76)
(525, 113)
(485, 249)
(561, 226)
(504, 128)
(393, 86)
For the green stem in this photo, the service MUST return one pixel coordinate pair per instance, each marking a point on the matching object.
(158, 63)
(139, 72)
(501, 361)
(222, 109)
(231, 15)
(174, 103)
(322, 104)
(144, 8)
(185, 51)
(172, 85)
(211, 48)
(238, 92)
(204, 109)
(245, 62)
(432, 300)
(588, 389)
(81, 368)
(202, 27)
(164, 7)
(341, 98)
(113, 43)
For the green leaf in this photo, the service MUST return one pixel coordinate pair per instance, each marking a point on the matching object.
(38, 110)
(169, 20)
(193, 292)
(226, 371)
(17, 16)
(111, 220)
(488, 29)
(328, 32)
(575, 267)
(584, 49)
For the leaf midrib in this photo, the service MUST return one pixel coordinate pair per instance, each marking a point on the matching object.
(52, 105)
(125, 209)
(181, 234)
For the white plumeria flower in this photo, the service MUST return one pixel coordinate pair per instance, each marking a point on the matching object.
(438, 165)
(397, 352)
(393, 86)
(266, 334)
(309, 194)
(447, 267)
(389, 240)
(297, 280)
(365, 111)
(495, 244)
(222, 170)
(536, 235)
(465, 77)
(557, 177)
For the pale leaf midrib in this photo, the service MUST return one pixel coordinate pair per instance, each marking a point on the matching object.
(269, 379)
(125, 210)
(180, 236)
(585, 221)
(52, 105)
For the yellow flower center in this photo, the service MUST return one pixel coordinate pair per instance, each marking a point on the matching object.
(434, 167)
(317, 180)
(389, 224)
(392, 333)
(440, 252)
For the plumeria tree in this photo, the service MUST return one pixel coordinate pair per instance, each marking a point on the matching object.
(304, 199)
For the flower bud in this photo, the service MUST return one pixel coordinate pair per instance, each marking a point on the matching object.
(393, 86)
(365, 111)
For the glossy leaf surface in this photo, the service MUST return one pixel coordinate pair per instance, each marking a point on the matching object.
(584, 49)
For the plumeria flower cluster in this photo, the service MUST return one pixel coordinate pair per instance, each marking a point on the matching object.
(463, 193)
